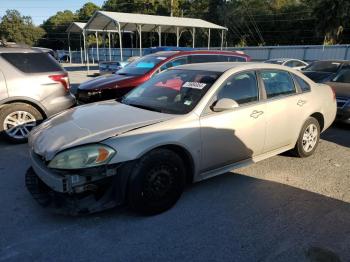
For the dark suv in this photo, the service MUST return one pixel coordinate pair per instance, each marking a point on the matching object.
(33, 86)
(139, 71)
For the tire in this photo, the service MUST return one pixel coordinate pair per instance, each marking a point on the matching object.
(27, 116)
(156, 182)
(308, 138)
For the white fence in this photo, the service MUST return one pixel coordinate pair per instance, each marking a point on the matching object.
(307, 53)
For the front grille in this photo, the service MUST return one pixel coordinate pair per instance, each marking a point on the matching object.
(341, 102)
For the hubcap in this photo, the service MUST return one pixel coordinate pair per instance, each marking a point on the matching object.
(310, 138)
(18, 124)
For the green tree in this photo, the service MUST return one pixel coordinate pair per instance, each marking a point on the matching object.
(19, 29)
(332, 16)
(56, 26)
(84, 13)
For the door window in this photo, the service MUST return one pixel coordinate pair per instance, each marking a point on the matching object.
(242, 88)
(231, 58)
(203, 58)
(343, 76)
(277, 83)
(302, 83)
(174, 62)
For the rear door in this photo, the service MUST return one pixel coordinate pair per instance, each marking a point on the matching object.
(284, 108)
(238, 134)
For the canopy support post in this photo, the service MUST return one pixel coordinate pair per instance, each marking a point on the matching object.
(86, 54)
(97, 52)
(109, 46)
(193, 36)
(120, 43)
(69, 50)
(209, 39)
(177, 36)
(139, 30)
(222, 39)
(160, 36)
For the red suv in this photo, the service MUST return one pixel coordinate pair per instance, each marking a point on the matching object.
(139, 71)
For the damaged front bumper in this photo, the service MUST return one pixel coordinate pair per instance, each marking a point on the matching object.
(74, 194)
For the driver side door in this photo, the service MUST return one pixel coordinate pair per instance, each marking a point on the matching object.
(234, 135)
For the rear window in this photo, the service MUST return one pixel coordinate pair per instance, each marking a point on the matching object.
(323, 66)
(32, 62)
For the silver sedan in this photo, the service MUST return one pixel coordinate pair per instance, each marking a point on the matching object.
(184, 125)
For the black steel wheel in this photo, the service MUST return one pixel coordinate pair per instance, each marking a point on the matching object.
(156, 182)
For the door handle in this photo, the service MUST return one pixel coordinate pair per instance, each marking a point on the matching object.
(301, 102)
(255, 114)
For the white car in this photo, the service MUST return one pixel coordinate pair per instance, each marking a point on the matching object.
(290, 62)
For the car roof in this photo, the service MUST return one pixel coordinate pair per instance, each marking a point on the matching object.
(283, 59)
(332, 61)
(224, 66)
(183, 52)
(18, 50)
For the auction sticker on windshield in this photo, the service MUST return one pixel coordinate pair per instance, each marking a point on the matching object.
(195, 85)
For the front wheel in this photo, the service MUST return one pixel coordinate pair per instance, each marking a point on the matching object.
(308, 139)
(157, 182)
(17, 120)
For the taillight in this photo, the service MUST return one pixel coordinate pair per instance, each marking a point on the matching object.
(63, 79)
(334, 95)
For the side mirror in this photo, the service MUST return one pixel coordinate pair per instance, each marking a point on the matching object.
(224, 104)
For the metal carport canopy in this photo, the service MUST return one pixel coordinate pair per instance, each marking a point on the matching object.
(75, 28)
(118, 22)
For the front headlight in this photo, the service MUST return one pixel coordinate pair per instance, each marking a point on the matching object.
(83, 157)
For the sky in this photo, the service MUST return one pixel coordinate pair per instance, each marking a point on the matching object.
(40, 10)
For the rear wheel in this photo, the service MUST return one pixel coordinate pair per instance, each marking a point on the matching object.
(17, 120)
(308, 138)
(156, 183)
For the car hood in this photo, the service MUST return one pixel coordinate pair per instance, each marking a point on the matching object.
(104, 81)
(89, 124)
(317, 76)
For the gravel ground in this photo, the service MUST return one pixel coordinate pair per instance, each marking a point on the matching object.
(281, 209)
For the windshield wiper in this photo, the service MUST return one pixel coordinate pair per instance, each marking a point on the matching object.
(144, 107)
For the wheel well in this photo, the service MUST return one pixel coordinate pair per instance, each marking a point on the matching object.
(186, 157)
(42, 112)
(319, 117)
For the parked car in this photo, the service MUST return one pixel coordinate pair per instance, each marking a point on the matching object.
(47, 50)
(323, 71)
(341, 85)
(186, 124)
(139, 71)
(110, 67)
(290, 62)
(33, 86)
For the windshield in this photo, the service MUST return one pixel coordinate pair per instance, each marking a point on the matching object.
(141, 66)
(277, 62)
(174, 92)
(323, 66)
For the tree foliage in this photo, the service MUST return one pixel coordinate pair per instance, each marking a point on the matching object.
(19, 29)
(249, 22)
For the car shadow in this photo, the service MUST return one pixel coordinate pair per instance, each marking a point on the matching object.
(338, 133)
